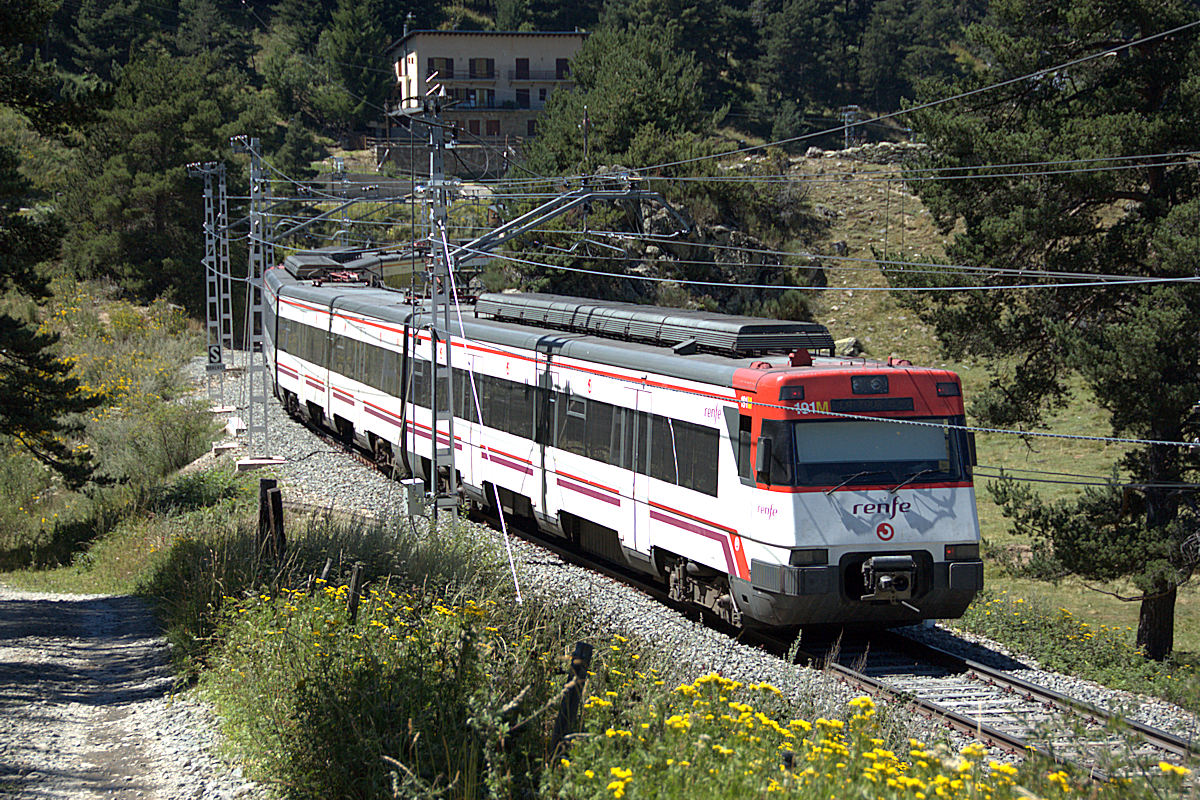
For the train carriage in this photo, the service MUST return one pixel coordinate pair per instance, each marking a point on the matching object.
(734, 458)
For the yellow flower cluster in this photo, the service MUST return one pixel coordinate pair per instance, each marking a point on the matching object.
(718, 733)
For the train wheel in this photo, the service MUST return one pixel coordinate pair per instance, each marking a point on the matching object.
(382, 451)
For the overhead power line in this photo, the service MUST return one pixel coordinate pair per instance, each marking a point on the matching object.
(933, 103)
(775, 287)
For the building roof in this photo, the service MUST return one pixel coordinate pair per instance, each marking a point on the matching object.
(430, 32)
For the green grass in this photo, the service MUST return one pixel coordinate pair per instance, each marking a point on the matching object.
(714, 737)
(131, 533)
(1087, 642)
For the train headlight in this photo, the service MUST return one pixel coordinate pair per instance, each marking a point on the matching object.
(962, 552)
(812, 557)
(869, 384)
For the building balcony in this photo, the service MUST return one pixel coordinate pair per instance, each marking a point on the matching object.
(462, 76)
(542, 75)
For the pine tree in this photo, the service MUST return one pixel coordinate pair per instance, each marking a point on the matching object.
(905, 41)
(106, 33)
(1135, 346)
(715, 34)
(297, 152)
(656, 86)
(135, 212)
(351, 61)
(37, 393)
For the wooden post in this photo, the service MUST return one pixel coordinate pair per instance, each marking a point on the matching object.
(355, 587)
(324, 576)
(265, 485)
(276, 542)
(568, 712)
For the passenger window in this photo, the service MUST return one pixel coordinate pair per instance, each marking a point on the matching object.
(599, 431)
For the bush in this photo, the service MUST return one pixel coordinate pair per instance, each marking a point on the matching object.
(150, 439)
(443, 673)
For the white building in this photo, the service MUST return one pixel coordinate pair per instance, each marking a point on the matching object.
(500, 80)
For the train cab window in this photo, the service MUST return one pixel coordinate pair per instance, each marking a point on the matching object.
(781, 465)
(745, 465)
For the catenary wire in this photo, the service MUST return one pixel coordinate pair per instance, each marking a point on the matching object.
(726, 284)
(940, 101)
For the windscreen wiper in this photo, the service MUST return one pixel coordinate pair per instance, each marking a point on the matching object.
(910, 479)
(858, 475)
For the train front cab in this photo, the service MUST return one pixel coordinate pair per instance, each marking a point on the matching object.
(867, 521)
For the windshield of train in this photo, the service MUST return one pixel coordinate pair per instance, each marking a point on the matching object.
(857, 452)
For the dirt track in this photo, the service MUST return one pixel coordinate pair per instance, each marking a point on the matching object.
(87, 711)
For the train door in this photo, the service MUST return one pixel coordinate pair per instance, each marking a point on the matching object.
(466, 390)
(543, 429)
(637, 439)
(335, 348)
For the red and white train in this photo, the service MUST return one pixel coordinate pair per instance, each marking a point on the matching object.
(734, 458)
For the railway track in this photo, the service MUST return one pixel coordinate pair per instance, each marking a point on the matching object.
(996, 707)
(983, 702)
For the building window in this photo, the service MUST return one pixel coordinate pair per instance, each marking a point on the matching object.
(522, 98)
(483, 68)
(487, 98)
(473, 126)
(531, 127)
(444, 67)
(493, 127)
(522, 72)
(562, 68)
(541, 95)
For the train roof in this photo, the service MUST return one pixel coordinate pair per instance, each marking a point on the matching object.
(544, 323)
(684, 331)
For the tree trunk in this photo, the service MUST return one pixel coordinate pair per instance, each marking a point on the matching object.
(1156, 618)
(1156, 623)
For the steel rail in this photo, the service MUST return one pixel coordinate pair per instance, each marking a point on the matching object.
(1157, 737)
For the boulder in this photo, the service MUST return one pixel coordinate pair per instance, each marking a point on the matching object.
(849, 346)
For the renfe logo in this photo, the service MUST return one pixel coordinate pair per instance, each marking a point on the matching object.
(770, 512)
(890, 509)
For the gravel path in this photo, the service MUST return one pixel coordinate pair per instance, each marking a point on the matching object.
(86, 709)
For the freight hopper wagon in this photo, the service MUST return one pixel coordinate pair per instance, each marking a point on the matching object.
(733, 458)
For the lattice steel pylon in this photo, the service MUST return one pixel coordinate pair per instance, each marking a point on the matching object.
(261, 252)
(218, 305)
(441, 312)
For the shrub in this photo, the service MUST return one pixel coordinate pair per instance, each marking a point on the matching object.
(150, 439)
(444, 674)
